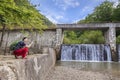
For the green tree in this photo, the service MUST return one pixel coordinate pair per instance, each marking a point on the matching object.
(21, 14)
(116, 18)
(92, 37)
(102, 13)
(118, 39)
(71, 37)
(116, 13)
(7, 10)
(90, 18)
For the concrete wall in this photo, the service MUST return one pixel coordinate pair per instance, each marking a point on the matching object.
(34, 68)
(47, 38)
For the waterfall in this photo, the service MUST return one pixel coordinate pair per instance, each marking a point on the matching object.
(118, 48)
(86, 52)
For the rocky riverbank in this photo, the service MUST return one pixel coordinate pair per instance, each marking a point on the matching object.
(66, 73)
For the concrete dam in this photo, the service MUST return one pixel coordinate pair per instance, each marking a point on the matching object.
(41, 65)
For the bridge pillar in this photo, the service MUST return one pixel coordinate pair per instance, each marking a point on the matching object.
(59, 37)
(59, 41)
(110, 38)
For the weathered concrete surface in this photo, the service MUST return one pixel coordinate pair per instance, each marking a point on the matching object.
(34, 68)
(47, 38)
(110, 38)
(84, 26)
(59, 37)
(59, 41)
(67, 73)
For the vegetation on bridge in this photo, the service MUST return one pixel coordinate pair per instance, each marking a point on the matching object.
(105, 12)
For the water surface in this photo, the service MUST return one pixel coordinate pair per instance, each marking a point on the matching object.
(112, 68)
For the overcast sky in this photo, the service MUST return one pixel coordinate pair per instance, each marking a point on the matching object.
(67, 11)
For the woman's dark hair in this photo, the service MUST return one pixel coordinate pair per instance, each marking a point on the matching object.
(24, 38)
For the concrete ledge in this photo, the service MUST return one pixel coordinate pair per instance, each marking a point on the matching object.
(88, 26)
(34, 68)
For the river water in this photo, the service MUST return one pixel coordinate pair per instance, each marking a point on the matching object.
(112, 68)
(89, 58)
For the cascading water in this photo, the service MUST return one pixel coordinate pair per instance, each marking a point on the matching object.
(118, 52)
(86, 52)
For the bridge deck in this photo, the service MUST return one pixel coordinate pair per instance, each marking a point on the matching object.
(93, 26)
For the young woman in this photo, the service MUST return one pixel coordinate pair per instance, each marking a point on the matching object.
(21, 48)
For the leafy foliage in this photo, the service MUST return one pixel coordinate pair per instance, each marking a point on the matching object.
(105, 12)
(20, 14)
(93, 37)
(116, 13)
(102, 13)
(118, 39)
(85, 37)
(71, 37)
